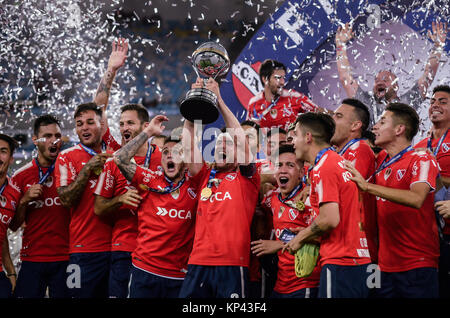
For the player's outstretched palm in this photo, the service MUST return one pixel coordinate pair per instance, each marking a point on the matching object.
(344, 34)
(118, 54)
(439, 33)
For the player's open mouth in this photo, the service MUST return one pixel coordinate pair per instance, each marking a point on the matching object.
(53, 150)
(86, 135)
(283, 180)
(170, 166)
(222, 155)
(126, 135)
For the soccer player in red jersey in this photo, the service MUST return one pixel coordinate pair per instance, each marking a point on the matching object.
(12, 214)
(286, 216)
(344, 256)
(76, 171)
(114, 195)
(439, 144)
(276, 106)
(166, 217)
(45, 241)
(352, 118)
(404, 187)
(218, 264)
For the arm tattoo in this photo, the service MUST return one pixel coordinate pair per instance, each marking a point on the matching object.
(124, 155)
(316, 230)
(105, 85)
(71, 194)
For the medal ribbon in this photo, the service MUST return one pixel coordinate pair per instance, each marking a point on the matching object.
(318, 157)
(394, 159)
(348, 145)
(292, 194)
(3, 187)
(264, 113)
(170, 188)
(148, 155)
(89, 150)
(43, 177)
(441, 140)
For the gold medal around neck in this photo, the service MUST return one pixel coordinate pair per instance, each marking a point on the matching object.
(98, 171)
(299, 205)
(206, 193)
(143, 187)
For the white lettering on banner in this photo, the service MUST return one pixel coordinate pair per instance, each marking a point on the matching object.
(248, 76)
(291, 28)
(290, 21)
(174, 213)
(374, 279)
(374, 20)
(217, 197)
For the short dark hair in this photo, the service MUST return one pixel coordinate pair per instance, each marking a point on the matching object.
(140, 110)
(320, 125)
(170, 139)
(286, 148)
(12, 143)
(268, 67)
(274, 131)
(252, 124)
(442, 88)
(86, 107)
(44, 120)
(406, 115)
(361, 110)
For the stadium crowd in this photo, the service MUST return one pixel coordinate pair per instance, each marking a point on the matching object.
(299, 201)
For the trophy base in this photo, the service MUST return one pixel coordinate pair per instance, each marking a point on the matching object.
(200, 104)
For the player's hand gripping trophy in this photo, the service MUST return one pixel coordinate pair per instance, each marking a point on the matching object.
(209, 60)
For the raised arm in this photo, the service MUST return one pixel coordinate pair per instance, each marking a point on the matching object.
(438, 35)
(116, 60)
(343, 35)
(191, 153)
(122, 157)
(245, 156)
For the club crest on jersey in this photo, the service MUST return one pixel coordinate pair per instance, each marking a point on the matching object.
(231, 176)
(273, 113)
(293, 214)
(400, 174)
(175, 194)
(280, 212)
(387, 173)
(246, 82)
(191, 193)
(445, 147)
(2, 201)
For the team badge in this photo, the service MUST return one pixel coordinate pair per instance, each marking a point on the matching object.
(293, 214)
(2, 201)
(400, 174)
(280, 213)
(273, 113)
(206, 193)
(231, 176)
(387, 173)
(175, 194)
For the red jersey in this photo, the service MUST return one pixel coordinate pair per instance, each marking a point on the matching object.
(9, 200)
(112, 183)
(408, 237)
(222, 228)
(46, 236)
(165, 225)
(346, 244)
(280, 113)
(285, 217)
(88, 232)
(110, 142)
(443, 160)
(362, 157)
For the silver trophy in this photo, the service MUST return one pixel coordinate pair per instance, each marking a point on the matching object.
(209, 60)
